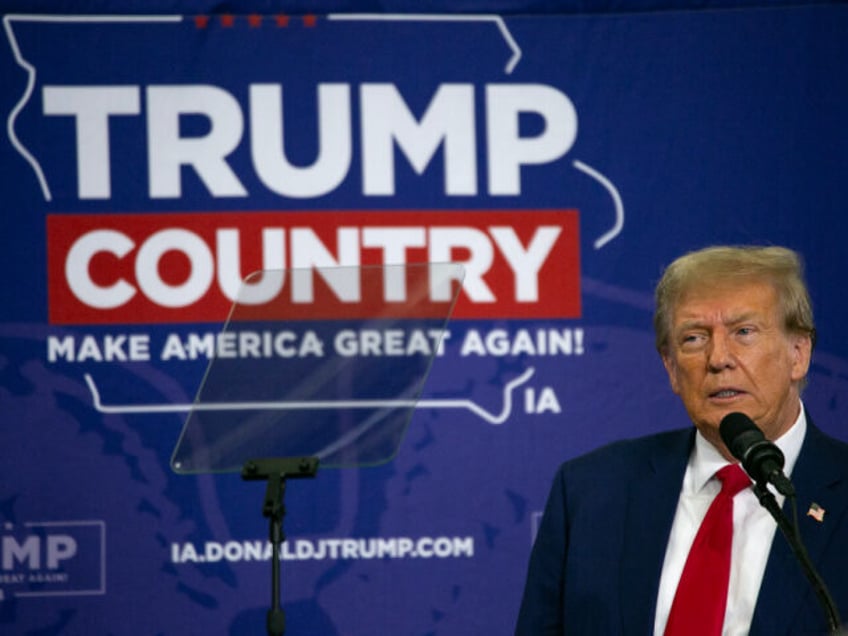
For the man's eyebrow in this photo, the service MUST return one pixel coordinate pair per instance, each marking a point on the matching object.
(748, 316)
(697, 323)
(690, 324)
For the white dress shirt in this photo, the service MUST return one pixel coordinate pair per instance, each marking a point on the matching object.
(753, 531)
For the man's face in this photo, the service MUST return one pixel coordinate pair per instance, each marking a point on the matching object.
(728, 351)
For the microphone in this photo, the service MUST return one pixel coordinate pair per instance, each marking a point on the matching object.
(762, 460)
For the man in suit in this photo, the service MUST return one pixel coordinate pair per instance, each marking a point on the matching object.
(734, 328)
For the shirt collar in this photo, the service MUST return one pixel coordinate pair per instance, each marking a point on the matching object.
(706, 460)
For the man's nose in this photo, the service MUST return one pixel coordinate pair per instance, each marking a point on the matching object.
(720, 354)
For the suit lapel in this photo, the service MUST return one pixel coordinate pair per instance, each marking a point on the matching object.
(651, 504)
(818, 478)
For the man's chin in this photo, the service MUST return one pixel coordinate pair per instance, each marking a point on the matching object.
(718, 412)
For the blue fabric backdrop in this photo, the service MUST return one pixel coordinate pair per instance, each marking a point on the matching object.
(565, 157)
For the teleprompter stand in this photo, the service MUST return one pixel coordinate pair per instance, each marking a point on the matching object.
(276, 471)
(288, 387)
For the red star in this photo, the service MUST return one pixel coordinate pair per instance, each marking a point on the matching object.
(282, 20)
(201, 21)
(310, 20)
(254, 20)
(227, 20)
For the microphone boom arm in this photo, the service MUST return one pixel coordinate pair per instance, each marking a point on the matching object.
(793, 537)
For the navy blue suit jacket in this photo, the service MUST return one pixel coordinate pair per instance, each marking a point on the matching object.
(596, 563)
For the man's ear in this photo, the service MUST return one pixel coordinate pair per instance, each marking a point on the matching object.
(671, 368)
(802, 352)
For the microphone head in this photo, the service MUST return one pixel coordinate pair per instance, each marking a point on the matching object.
(746, 442)
(739, 434)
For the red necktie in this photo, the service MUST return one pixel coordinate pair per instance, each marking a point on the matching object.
(701, 597)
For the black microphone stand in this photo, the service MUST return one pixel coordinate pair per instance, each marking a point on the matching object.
(793, 536)
(276, 471)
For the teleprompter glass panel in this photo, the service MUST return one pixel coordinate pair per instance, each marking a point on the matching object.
(325, 362)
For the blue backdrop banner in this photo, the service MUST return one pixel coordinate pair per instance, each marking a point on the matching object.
(151, 164)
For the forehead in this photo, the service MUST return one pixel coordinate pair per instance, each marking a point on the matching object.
(727, 302)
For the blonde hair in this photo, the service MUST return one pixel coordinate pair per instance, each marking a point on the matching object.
(722, 265)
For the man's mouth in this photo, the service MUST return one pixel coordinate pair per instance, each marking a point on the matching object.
(725, 393)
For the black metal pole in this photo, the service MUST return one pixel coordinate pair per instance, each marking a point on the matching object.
(276, 620)
(793, 537)
(275, 471)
